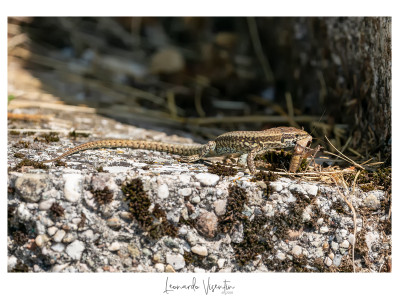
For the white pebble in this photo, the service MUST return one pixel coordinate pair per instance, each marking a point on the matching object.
(176, 261)
(159, 267)
(328, 261)
(58, 247)
(220, 207)
(280, 256)
(345, 244)
(310, 189)
(199, 270)
(200, 250)
(207, 179)
(163, 191)
(45, 205)
(41, 240)
(59, 236)
(72, 187)
(23, 213)
(334, 246)
(115, 246)
(297, 250)
(75, 249)
(11, 262)
(324, 229)
(59, 268)
(195, 200)
(52, 230)
(185, 192)
(221, 263)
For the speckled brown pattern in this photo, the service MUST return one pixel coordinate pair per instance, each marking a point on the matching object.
(247, 143)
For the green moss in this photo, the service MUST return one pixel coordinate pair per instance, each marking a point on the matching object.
(30, 163)
(82, 222)
(49, 137)
(277, 159)
(104, 196)
(73, 134)
(20, 267)
(19, 155)
(56, 210)
(198, 261)
(22, 144)
(222, 170)
(155, 223)
(378, 179)
(237, 198)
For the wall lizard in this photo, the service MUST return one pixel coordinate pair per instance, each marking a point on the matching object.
(246, 143)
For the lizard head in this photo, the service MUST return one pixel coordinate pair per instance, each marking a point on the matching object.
(292, 136)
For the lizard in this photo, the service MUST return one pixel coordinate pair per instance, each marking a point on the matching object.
(246, 143)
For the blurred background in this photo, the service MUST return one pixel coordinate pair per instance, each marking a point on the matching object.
(206, 76)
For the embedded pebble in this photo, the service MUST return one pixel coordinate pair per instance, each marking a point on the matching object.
(52, 230)
(324, 229)
(185, 179)
(31, 186)
(276, 186)
(195, 200)
(200, 250)
(41, 240)
(163, 191)
(59, 236)
(115, 246)
(191, 238)
(345, 244)
(159, 267)
(311, 189)
(133, 250)
(40, 228)
(176, 261)
(69, 237)
(199, 270)
(207, 179)
(114, 223)
(59, 268)
(328, 261)
(75, 249)
(319, 252)
(220, 207)
(72, 187)
(280, 256)
(169, 269)
(45, 205)
(11, 262)
(337, 260)
(88, 235)
(58, 247)
(185, 192)
(207, 224)
(372, 201)
(23, 213)
(297, 250)
(221, 263)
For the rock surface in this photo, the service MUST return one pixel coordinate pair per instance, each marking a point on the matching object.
(77, 218)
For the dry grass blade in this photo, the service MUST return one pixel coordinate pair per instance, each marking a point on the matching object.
(348, 202)
(344, 157)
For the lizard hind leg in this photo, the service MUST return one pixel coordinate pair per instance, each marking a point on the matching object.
(205, 150)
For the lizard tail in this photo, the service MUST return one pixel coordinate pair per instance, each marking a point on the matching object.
(181, 149)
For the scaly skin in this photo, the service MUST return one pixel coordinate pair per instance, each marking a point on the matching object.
(247, 143)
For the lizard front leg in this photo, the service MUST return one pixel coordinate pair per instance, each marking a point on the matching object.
(250, 159)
